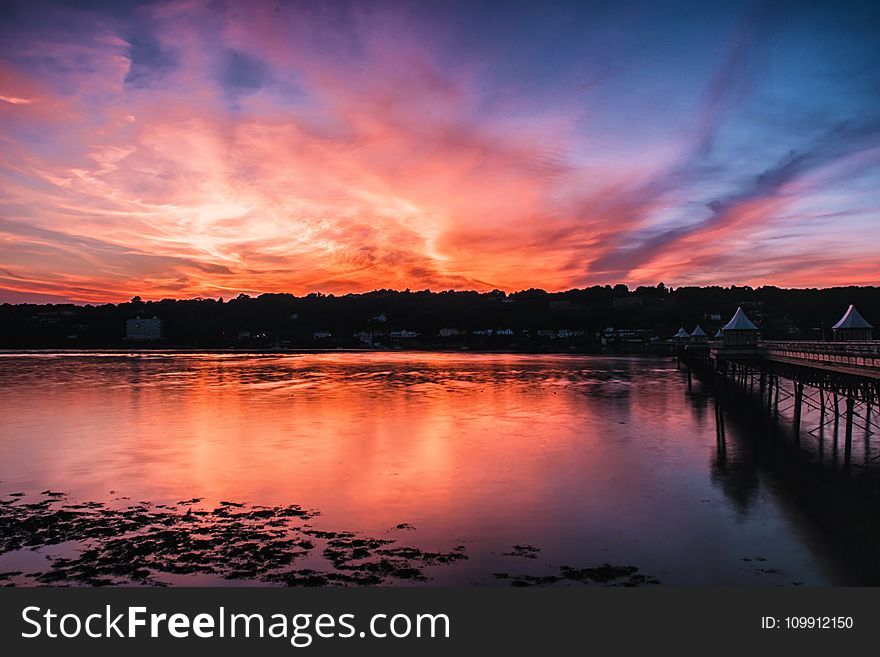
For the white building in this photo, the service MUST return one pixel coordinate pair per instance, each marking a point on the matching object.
(740, 331)
(698, 335)
(852, 326)
(143, 329)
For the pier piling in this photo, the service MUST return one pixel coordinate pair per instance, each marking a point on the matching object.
(847, 447)
(798, 400)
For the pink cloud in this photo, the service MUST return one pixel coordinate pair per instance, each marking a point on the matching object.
(358, 154)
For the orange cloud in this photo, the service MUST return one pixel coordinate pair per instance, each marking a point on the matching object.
(301, 149)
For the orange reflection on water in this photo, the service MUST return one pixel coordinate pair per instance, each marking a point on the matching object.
(585, 457)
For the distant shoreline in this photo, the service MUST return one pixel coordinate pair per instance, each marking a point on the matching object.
(192, 350)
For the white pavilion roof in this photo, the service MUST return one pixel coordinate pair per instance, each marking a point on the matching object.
(698, 332)
(852, 320)
(739, 322)
(682, 333)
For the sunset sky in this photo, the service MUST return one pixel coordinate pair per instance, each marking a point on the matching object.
(196, 148)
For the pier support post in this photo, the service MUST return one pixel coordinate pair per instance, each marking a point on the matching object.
(798, 399)
(719, 423)
(847, 447)
(835, 449)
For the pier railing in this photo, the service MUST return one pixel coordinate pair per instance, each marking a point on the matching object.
(855, 354)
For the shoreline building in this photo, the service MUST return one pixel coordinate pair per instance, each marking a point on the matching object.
(852, 326)
(740, 331)
(699, 335)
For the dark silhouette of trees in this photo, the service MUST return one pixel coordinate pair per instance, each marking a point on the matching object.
(288, 321)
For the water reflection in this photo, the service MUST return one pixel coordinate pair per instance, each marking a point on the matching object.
(590, 459)
(834, 509)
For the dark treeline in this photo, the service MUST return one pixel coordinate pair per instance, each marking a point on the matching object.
(581, 319)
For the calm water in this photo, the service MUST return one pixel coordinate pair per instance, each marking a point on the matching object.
(589, 459)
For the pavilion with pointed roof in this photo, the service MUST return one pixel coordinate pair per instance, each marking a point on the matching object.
(852, 326)
(740, 331)
(681, 336)
(698, 334)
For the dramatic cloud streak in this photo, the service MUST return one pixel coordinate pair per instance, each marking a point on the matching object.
(209, 148)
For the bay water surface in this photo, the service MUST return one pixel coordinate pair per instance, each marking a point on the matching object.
(525, 464)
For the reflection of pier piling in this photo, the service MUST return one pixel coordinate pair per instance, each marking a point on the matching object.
(822, 376)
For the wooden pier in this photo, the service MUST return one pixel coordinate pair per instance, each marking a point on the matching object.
(838, 379)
